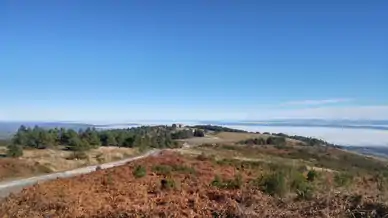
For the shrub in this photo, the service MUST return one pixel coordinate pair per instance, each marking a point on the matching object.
(273, 184)
(139, 171)
(199, 133)
(300, 186)
(217, 182)
(162, 169)
(311, 175)
(342, 179)
(167, 184)
(305, 192)
(183, 169)
(235, 183)
(14, 151)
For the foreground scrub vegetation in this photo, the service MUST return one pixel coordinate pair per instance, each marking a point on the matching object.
(174, 185)
(36, 151)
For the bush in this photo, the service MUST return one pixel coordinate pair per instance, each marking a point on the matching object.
(183, 169)
(217, 181)
(342, 179)
(300, 186)
(139, 171)
(199, 133)
(311, 175)
(162, 169)
(273, 184)
(14, 151)
(305, 192)
(235, 183)
(167, 184)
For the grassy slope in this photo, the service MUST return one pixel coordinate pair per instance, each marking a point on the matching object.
(42, 161)
(220, 179)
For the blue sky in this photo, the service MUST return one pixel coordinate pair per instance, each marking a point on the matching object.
(129, 60)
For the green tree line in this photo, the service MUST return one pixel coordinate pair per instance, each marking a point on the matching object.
(279, 141)
(216, 128)
(145, 136)
(308, 140)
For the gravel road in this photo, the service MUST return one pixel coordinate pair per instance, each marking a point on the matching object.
(17, 185)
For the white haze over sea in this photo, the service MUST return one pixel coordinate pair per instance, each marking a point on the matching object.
(340, 136)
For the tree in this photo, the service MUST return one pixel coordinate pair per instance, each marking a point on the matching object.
(128, 142)
(77, 144)
(21, 136)
(66, 135)
(54, 134)
(199, 133)
(108, 139)
(137, 141)
(161, 142)
(90, 136)
(182, 134)
(120, 138)
(45, 139)
(93, 139)
(14, 150)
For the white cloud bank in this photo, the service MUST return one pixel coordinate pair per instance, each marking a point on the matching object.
(348, 112)
(318, 102)
(139, 112)
(354, 137)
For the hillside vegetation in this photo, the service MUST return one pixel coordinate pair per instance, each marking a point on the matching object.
(237, 174)
(38, 150)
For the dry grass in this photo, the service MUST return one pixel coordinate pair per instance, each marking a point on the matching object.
(11, 168)
(35, 162)
(59, 160)
(236, 136)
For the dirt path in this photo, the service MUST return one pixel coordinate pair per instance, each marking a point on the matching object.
(17, 185)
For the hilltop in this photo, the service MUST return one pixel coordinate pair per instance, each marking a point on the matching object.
(222, 173)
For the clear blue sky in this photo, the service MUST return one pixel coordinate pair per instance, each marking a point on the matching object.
(113, 60)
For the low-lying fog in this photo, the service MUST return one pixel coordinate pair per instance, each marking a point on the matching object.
(355, 137)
